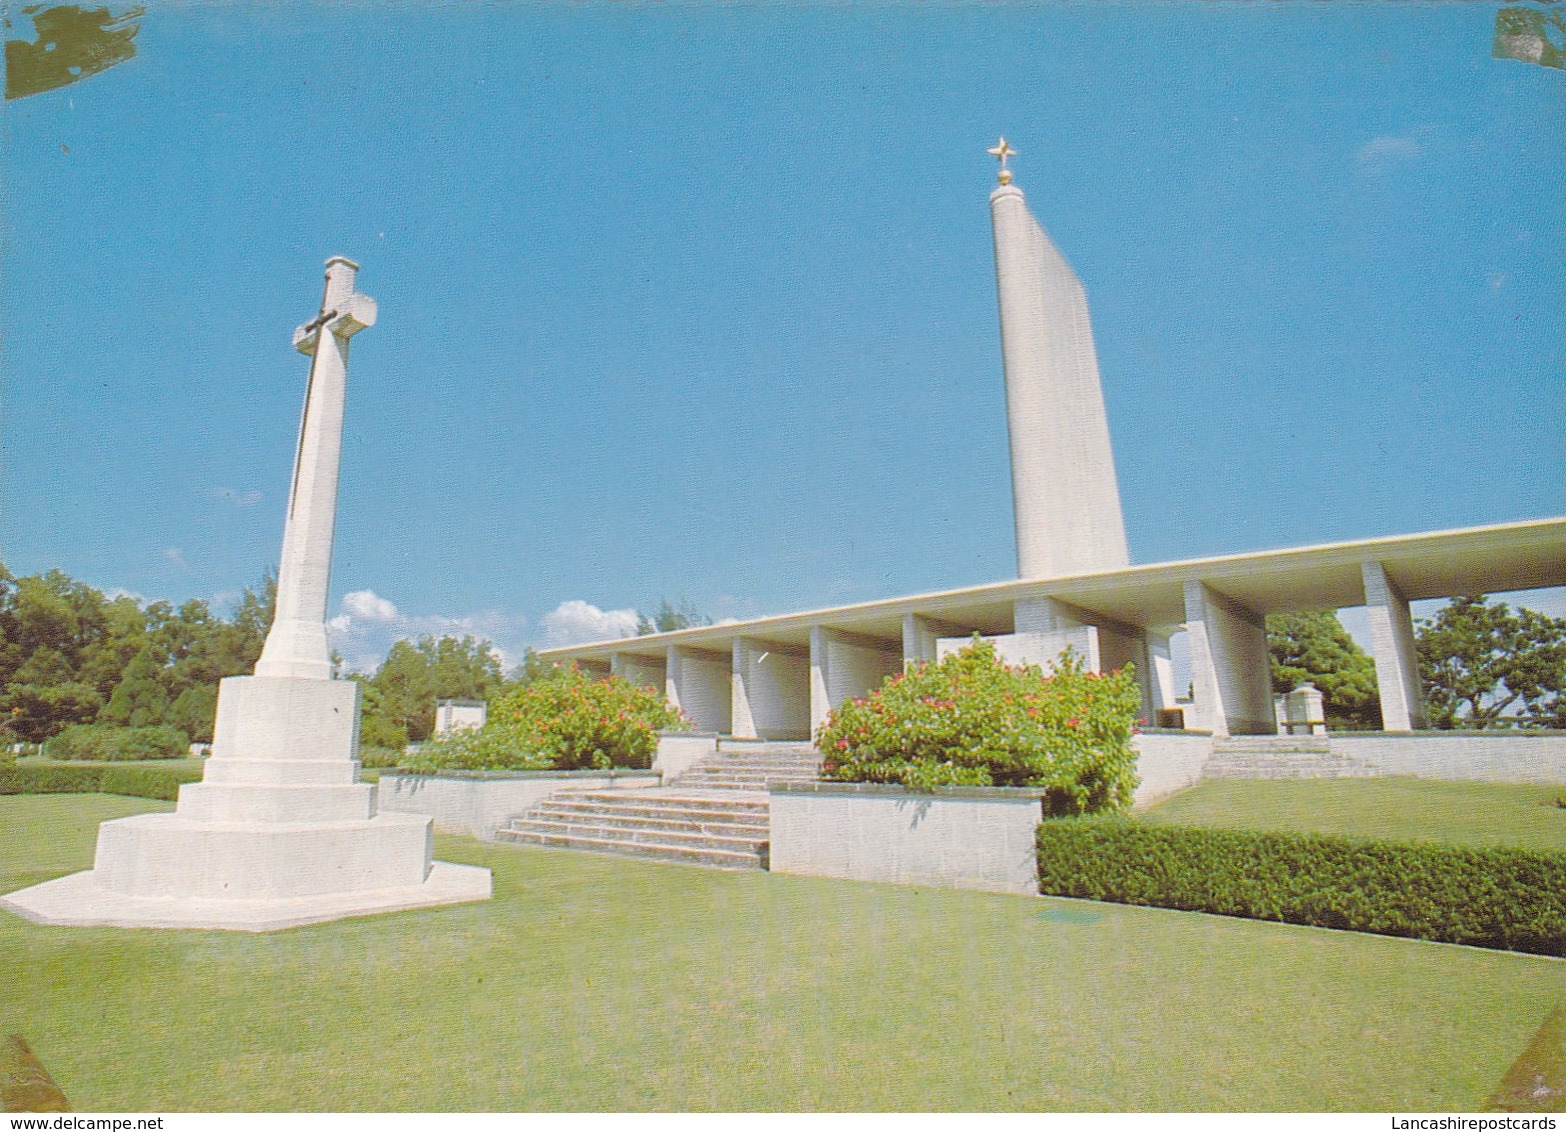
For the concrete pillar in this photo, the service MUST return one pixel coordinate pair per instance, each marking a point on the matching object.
(1231, 685)
(820, 698)
(1066, 500)
(1044, 615)
(1397, 660)
(296, 644)
(843, 665)
(919, 637)
(698, 683)
(1161, 670)
(744, 726)
(1120, 645)
(639, 670)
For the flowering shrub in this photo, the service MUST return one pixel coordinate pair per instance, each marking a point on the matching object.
(972, 721)
(562, 721)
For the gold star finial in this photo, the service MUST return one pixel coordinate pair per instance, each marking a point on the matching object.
(1002, 150)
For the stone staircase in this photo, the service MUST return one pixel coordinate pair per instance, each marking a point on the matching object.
(749, 764)
(716, 815)
(1282, 756)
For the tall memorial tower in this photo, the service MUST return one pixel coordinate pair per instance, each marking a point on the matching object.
(280, 831)
(1064, 492)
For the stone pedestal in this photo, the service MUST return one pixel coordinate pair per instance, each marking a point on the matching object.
(279, 832)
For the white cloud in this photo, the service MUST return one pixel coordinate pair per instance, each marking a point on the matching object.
(576, 622)
(1387, 150)
(367, 626)
(175, 555)
(367, 605)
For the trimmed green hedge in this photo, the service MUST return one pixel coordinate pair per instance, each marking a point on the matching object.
(1511, 899)
(157, 782)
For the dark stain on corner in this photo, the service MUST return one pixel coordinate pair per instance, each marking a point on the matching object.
(72, 43)
(25, 1086)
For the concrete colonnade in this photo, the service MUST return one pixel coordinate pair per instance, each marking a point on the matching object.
(768, 689)
(1230, 678)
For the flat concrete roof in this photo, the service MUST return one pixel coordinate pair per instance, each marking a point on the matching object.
(1437, 564)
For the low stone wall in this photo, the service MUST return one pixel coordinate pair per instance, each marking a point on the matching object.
(956, 837)
(1168, 762)
(477, 803)
(678, 751)
(1477, 756)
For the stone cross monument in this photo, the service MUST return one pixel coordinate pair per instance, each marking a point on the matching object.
(297, 646)
(280, 831)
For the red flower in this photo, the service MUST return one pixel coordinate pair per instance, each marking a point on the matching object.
(842, 744)
(1073, 722)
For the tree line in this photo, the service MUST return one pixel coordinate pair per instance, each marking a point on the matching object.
(70, 654)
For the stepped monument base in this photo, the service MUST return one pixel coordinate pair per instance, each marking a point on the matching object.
(279, 832)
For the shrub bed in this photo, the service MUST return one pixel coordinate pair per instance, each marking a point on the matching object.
(564, 720)
(157, 782)
(1512, 899)
(970, 720)
(373, 757)
(104, 742)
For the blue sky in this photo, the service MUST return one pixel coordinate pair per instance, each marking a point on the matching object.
(698, 301)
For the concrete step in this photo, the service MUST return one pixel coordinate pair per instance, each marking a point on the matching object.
(1308, 764)
(722, 763)
(1273, 744)
(1307, 758)
(669, 799)
(1281, 772)
(757, 777)
(712, 823)
(738, 761)
(635, 835)
(709, 858)
(778, 746)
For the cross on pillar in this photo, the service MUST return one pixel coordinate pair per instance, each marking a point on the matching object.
(296, 645)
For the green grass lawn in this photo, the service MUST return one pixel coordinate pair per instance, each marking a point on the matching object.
(607, 983)
(1400, 809)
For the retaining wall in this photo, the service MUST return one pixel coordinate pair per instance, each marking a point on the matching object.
(1168, 762)
(678, 751)
(1477, 756)
(956, 837)
(477, 803)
